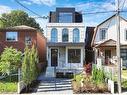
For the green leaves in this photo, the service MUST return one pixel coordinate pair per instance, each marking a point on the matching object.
(16, 18)
(29, 65)
(10, 60)
(98, 75)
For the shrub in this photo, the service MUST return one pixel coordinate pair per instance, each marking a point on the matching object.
(98, 75)
(29, 65)
(10, 60)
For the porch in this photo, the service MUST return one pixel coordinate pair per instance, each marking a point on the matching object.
(65, 59)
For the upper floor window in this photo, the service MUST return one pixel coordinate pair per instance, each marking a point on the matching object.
(65, 17)
(11, 36)
(103, 33)
(28, 40)
(54, 35)
(76, 35)
(65, 35)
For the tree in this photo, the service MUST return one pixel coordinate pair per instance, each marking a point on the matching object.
(10, 60)
(16, 18)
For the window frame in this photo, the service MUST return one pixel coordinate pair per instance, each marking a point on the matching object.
(65, 33)
(125, 34)
(28, 42)
(100, 32)
(76, 41)
(52, 35)
(73, 56)
(16, 39)
(63, 16)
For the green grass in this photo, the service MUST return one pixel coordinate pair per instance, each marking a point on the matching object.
(8, 84)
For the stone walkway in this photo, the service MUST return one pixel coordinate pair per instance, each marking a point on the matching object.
(49, 85)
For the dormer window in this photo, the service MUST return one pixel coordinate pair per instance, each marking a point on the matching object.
(103, 33)
(65, 17)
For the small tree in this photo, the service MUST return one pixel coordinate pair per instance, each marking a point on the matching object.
(10, 60)
(26, 67)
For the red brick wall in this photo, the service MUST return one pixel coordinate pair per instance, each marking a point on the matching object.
(41, 45)
(37, 39)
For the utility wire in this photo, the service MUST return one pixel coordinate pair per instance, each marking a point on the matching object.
(123, 4)
(30, 10)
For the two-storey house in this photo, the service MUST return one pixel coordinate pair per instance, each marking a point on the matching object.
(105, 37)
(65, 41)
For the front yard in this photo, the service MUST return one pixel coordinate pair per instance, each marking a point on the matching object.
(8, 84)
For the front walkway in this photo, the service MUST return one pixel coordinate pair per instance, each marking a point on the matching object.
(50, 85)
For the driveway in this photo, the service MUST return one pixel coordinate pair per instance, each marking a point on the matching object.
(49, 85)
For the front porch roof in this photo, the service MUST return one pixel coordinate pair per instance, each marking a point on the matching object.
(107, 43)
(65, 44)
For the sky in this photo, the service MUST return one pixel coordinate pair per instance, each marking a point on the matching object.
(43, 7)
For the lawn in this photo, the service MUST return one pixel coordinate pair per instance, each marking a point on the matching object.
(8, 85)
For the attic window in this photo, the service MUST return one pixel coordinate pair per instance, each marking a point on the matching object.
(103, 33)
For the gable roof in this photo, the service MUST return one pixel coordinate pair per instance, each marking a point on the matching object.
(21, 27)
(109, 42)
(94, 35)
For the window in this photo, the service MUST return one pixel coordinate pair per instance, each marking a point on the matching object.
(125, 34)
(74, 55)
(123, 54)
(76, 35)
(28, 40)
(11, 36)
(65, 35)
(65, 17)
(54, 35)
(103, 33)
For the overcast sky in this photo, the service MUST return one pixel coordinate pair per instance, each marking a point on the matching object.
(42, 7)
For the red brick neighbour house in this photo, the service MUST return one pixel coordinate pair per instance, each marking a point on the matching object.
(20, 36)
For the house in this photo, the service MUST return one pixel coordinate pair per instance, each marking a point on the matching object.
(89, 53)
(65, 41)
(20, 36)
(105, 37)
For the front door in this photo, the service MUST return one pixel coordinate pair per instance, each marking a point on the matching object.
(54, 57)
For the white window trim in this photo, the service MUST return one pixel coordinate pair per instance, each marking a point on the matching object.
(105, 28)
(11, 40)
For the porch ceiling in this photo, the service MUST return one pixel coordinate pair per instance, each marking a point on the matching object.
(65, 44)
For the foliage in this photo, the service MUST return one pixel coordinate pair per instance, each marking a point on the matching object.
(7, 86)
(29, 65)
(98, 75)
(124, 84)
(78, 77)
(16, 18)
(10, 60)
(26, 66)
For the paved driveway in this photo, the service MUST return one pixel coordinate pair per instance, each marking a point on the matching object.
(54, 86)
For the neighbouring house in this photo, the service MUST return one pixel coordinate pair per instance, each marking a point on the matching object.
(89, 53)
(105, 37)
(20, 36)
(65, 41)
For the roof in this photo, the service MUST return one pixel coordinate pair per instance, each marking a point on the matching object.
(21, 27)
(109, 42)
(94, 35)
